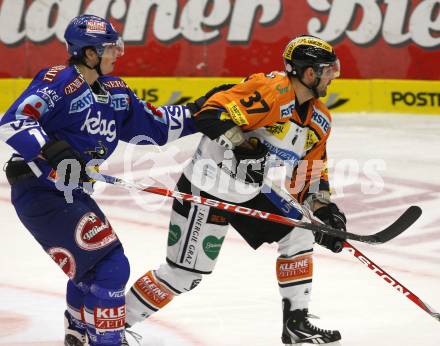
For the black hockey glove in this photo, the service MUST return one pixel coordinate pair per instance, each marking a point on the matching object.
(57, 151)
(251, 163)
(197, 105)
(332, 216)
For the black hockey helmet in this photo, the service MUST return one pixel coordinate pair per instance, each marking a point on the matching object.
(310, 51)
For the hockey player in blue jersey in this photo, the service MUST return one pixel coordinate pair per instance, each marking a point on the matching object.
(74, 115)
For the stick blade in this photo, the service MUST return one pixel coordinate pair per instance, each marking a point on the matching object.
(436, 316)
(399, 226)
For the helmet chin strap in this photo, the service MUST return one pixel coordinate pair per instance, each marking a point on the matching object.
(97, 67)
(312, 88)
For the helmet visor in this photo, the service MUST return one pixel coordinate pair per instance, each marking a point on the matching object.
(114, 49)
(331, 70)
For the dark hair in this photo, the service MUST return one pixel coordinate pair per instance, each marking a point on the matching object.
(76, 60)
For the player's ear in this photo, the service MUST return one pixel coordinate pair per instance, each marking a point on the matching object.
(309, 74)
(90, 54)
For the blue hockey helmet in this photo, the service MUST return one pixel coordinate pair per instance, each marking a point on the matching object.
(91, 31)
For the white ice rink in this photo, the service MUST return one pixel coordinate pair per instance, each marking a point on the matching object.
(239, 303)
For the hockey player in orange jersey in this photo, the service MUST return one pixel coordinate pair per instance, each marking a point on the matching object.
(268, 118)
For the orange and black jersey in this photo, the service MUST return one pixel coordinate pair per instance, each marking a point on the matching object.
(264, 106)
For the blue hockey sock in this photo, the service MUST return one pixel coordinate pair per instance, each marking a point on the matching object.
(74, 318)
(105, 302)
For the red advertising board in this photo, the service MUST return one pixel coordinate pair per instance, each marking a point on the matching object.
(374, 39)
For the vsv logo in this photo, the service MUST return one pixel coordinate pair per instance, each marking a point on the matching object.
(81, 102)
(97, 125)
(176, 116)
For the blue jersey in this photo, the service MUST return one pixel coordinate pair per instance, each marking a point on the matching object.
(59, 104)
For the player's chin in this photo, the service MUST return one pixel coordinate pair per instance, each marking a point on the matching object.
(108, 69)
(322, 93)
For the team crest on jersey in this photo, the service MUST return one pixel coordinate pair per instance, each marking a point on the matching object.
(64, 259)
(98, 152)
(310, 140)
(287, 110)
(92, 234)
(279, 130)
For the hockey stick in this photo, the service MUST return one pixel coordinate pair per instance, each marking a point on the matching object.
(402, 223)
(390, 280)
(359, 255)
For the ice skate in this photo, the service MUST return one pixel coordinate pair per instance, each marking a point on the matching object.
(135, 336)
(75, 332)
(297, 329)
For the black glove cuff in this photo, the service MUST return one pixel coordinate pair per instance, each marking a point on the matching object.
(54, 147)
(56, 151)
(259, 151)
(331, 215)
